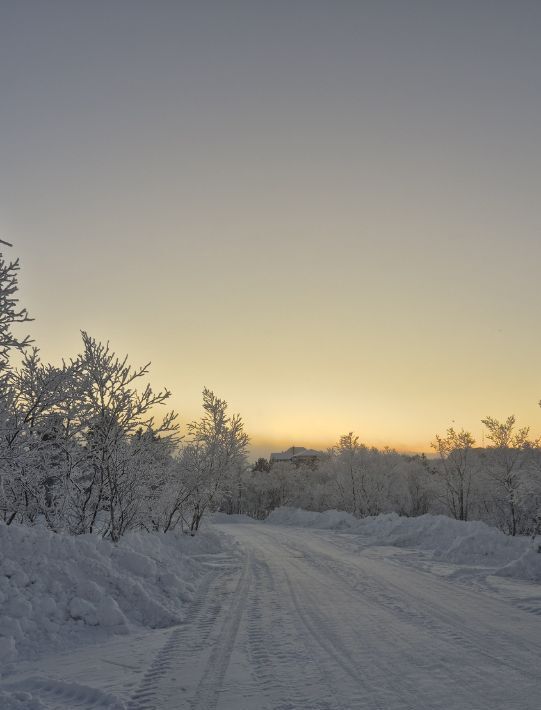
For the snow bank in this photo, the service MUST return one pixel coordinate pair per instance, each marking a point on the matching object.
(328, 520)
(58, 591)
(455, 541)
(233, 518)
(26, 695)
(20, 700)
(528, 566)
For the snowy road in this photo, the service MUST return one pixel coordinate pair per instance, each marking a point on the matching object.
(321, 627)
(300, 620)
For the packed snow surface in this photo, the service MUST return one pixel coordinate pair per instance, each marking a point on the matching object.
(305, 612)
(455, 541)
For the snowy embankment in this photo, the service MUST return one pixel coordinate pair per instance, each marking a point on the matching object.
(453, 541)
(59, 592)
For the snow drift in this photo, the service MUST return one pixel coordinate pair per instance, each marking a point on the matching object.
(454, 541)
(58, 591)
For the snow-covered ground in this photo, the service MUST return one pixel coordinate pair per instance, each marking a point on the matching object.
(447, 540)
(316, 611)
(59, 593)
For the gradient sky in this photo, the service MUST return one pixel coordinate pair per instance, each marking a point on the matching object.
(327, 212)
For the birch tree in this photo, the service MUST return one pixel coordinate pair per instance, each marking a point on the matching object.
(216, 448)
(111, 411)
(458, 466)
(506, 461)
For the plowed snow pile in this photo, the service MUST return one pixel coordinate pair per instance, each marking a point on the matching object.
(58, 591)
(454, 541)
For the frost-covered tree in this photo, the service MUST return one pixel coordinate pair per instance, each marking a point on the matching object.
(350, 464)
(365, 477)
(457, 469)
(32, 440)
(217, 445)
(285, 483)
(534, 490)
(80, 450)
(262, 464)
(111, 412)
(10, 311)
(16, 493)
(507, 459)
(418, 487)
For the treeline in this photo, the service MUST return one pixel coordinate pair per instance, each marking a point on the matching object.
(80, 450)
(499, 483)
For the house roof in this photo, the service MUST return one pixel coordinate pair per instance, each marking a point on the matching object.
(294, 452)
(308, 452)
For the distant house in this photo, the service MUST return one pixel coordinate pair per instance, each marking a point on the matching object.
(297, 455)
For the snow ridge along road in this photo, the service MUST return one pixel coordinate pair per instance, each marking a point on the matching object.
(301, 621)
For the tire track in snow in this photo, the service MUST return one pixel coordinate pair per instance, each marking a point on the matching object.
(337, 682)
(284, 666)
(208, 690)
(404, 606)
(182, 641)
(366, 694)
(144, 696)
(464, 677)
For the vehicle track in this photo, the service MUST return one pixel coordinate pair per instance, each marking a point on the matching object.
(186, 640)
(294, 620)
(209, 686)
(280, 654)
(383, 646)
(428, 616)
